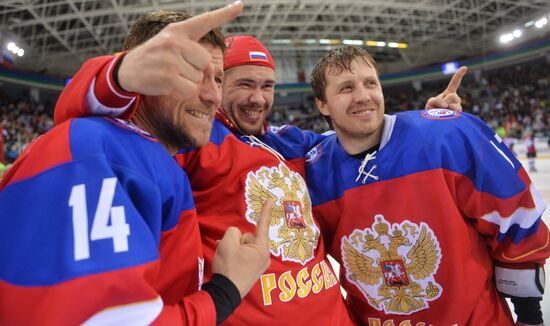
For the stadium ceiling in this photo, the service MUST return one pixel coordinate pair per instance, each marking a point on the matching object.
(58, 35)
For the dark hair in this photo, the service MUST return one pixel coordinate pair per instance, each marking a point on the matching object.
(152, 23)
(338, 60)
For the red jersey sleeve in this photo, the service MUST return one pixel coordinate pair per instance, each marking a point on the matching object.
(93, 91)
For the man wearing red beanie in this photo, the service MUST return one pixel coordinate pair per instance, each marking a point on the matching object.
(249, 85)
(243, 165)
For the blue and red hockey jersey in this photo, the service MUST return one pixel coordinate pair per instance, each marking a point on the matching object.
(419, 225)
(98, 224)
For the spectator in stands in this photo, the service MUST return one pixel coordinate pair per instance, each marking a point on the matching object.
(516, 97)
(22, 121)
(3, 168)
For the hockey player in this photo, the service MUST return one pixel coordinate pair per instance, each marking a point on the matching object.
(98, 224)
(432, 218)
(531, 150)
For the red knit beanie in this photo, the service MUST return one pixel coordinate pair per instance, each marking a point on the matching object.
(246, 50)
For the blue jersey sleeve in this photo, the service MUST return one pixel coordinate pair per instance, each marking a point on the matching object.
(80, 238)
(292, 142)
(495, 191)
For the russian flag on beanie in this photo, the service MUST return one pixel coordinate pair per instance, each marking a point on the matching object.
(246, 50)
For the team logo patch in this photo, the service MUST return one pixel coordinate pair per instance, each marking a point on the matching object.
(293, 215)
(394, 265)
(293, 233)
(440, 114)
(394, 273)
(257, 55)
(279, 129)
(314, 154)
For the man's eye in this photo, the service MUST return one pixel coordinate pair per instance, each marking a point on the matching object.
(346, 89)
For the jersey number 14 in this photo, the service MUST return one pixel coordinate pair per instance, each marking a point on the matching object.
(118, 230)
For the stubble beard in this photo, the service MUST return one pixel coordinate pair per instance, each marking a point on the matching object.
(359, 135)
(170, 133)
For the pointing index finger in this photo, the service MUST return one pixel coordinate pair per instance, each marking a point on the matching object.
(262, 227)
(198, 26)
(454, 84)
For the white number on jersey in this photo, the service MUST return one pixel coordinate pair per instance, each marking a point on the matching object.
(119, 230)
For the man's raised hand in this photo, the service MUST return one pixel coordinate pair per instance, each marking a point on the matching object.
(449, 98)
(173, 60)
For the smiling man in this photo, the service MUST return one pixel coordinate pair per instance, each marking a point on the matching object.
(359, 124)
(428, 212)
(249, 84)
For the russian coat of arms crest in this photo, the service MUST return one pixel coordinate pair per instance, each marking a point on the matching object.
(293, 233)
(394, 265)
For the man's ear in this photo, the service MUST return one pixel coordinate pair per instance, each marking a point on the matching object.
(322, 106)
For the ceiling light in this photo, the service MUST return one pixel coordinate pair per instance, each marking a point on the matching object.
(281, 41)
(353, 42)
(505, 38)
(541, 22)
(329, 41)
(389, 44)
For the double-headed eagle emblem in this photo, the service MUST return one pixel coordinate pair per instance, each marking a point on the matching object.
(293, 233)
(394, 269)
